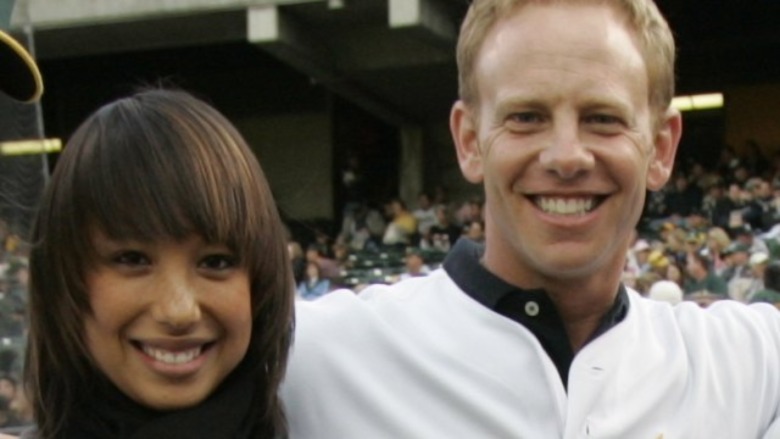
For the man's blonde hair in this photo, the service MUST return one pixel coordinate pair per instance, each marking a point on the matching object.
(642, 18)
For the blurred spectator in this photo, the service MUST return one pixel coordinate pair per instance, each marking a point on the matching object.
(444, 233)
(327, 268)
(8, 387)
(749, 278)
(637, 263)
(758, 263)
(314, 285)
(699, 176)
(700, 279)
(402, 229)
(771, 291)
(717, 242)
(644, 281)
(728, 209)
(362, 227)
(674, 273)
(697, 224)
(323, 241)
(8, 417)
(16, 403)
(341, 255)
(415, 265)
(684, 198)
(425, 214)
(736, 255)
(475, 231)
(694, 242)
(676, 245)
(740, 175)
(746, 236)
(714, 193)
(759, 212)
(469, 211)
(655, 204)
(666, 230)
(658, 262)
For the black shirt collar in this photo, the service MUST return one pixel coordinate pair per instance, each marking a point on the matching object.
(532, 308)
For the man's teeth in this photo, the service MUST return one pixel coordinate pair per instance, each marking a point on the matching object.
(565, 206)
(169, 357)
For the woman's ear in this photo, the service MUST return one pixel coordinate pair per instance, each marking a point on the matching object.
(667, 138)
(463, 126)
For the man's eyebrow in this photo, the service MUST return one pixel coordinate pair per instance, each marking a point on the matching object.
(606, 103)
(521, 101)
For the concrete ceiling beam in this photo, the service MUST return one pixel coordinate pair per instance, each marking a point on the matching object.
(46, 14)
(425, 19)
(281, 35)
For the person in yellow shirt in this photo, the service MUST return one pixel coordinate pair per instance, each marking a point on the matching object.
(402, 229)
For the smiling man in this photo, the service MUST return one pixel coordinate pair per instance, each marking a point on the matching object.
(564, 117)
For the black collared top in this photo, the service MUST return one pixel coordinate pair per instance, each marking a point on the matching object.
(531, 308)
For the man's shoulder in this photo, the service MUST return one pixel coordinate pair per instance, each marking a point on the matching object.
(726, 324)
(373, 298)
(373, 311)
(719, 317)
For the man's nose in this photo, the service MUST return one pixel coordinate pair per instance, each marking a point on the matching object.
(176, 303)
(566, 155)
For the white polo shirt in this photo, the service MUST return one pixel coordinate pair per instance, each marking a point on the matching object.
(422, 359)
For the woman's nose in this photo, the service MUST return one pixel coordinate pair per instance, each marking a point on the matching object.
(176, 303)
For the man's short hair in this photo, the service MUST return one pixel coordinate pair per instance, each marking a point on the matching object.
(643, 19)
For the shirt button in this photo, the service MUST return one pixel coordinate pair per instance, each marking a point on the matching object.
(532, 308)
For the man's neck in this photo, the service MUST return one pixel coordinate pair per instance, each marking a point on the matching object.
(582, 308)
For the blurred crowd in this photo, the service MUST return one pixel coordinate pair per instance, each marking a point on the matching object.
(14, 409)
(383, 243)
(712, 233)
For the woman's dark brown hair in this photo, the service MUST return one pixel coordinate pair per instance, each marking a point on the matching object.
(160, 163)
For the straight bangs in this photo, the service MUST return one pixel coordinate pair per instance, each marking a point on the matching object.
(191, 181)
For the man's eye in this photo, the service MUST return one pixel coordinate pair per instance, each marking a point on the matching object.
(218, 262)
(603, 119)
(131, 257)
(525, 117)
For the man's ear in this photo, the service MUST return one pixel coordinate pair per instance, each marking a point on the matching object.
(463, 126)
(667, 138)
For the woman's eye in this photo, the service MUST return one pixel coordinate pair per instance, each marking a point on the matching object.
(218, 262)
(132, 258)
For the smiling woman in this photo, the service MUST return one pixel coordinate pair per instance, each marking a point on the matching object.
(161, 293)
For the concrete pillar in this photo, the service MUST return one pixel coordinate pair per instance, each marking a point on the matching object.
(411, 169)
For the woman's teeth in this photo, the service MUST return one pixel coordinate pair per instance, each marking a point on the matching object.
(168, 357)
